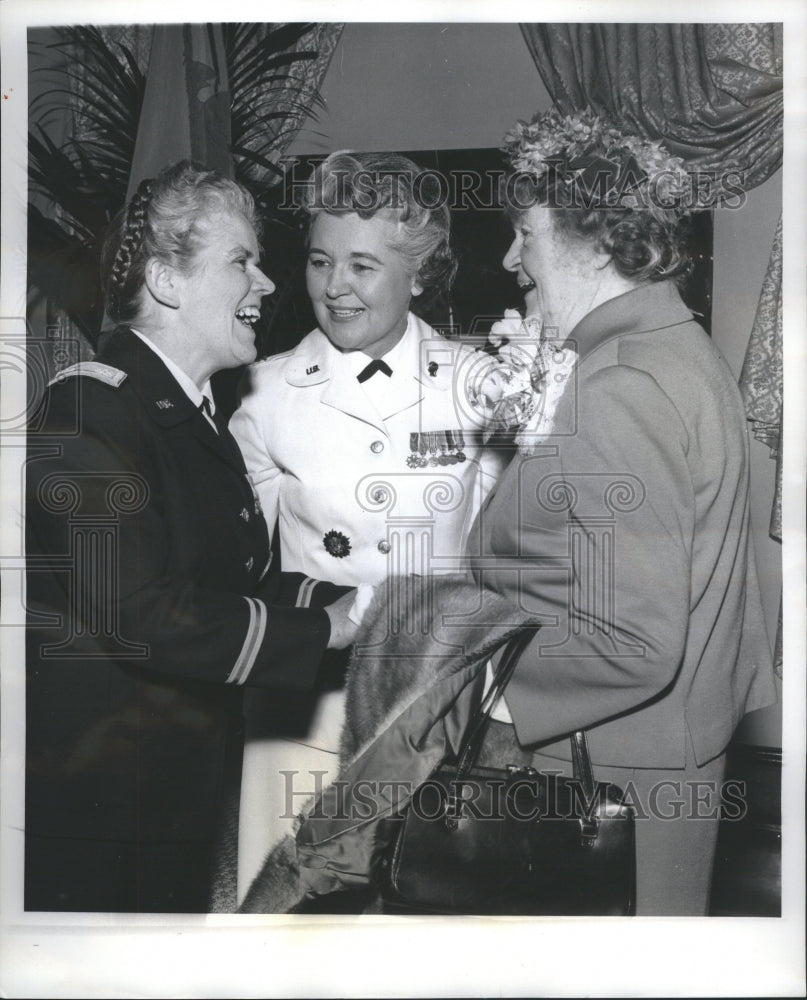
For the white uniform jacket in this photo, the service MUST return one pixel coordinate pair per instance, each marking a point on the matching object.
(367, 479)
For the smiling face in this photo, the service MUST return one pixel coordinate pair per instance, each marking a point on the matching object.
(220, 297)
(566, 276)
(358, 282)
(534, 253)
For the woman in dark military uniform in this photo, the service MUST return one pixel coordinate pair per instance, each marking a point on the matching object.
(150, 601)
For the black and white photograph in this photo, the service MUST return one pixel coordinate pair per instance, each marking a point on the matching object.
(403, 486)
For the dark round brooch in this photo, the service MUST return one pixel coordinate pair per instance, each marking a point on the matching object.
(337, 544)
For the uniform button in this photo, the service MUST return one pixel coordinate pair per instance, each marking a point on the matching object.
(376, 447)
(245, 513)
(384, 546)
(380, 495)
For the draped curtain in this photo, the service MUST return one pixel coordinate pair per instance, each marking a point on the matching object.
(761, 387)
(713, 94)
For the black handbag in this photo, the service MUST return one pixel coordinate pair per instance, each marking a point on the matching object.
(483, 840)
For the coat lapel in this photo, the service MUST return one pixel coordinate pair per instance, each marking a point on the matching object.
(162, 396)
(317, 361)
(221, 443)
(416, 370)
(344, 393)
(649, 307)
(405, 391)
(426, 365)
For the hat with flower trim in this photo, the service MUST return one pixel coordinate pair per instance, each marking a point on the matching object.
(594, 162)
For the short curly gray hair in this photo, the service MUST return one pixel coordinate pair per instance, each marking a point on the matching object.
(372, 183)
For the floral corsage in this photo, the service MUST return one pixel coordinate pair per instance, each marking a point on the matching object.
(518, 391)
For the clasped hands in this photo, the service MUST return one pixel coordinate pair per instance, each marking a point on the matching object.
(346, 615)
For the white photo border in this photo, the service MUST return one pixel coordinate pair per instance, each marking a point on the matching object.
(211, 956)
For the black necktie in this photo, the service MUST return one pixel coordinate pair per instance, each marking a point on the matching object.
(375, 366)
(204, 406)
(226, 440)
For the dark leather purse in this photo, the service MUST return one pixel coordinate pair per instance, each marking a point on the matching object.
(480, 840)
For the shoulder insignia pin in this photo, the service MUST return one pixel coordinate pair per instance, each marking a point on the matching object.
(163, 404)
(95, 369)
(312, 369)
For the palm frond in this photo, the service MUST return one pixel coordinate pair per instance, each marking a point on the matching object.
(86, 178)
(60, 179)
(66, 271)
(242, 40)
(283, 36)
(254, 157)
(259, 67)
(262, 101)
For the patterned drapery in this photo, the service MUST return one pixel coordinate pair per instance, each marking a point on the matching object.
(711, 92)
(761, 376)
(761, 387)
(297, 95)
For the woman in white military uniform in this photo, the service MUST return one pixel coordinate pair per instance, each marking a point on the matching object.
(361, 442)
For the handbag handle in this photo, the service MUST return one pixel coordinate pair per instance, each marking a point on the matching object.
(477, 727)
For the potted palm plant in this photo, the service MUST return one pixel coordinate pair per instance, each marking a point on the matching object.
(80, 183)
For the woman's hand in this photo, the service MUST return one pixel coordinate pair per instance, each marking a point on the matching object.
(343, 629)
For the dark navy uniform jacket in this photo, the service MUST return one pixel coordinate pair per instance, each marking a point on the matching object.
(151, 605)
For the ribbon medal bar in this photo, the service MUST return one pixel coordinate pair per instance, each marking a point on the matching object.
(435, 448)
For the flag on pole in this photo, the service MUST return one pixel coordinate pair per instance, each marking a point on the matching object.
(186, 104)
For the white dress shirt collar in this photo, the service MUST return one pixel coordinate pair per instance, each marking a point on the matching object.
(186, 383)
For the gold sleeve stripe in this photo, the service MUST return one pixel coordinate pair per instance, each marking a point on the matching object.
(256, 630)
(305, 592)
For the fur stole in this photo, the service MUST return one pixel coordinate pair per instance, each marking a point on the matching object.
(410, 694)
